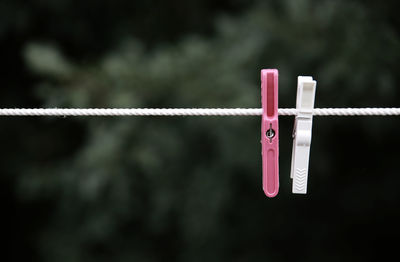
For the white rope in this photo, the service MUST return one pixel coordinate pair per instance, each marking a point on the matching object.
(346, 111)
(131, 112)
(190, 111)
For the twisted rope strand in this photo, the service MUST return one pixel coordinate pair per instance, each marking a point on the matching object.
(131, 112)
(190, 111)
(356, 111)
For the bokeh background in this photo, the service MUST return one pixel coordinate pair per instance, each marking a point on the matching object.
(189, 188)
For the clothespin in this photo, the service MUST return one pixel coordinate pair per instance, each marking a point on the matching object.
(302, 133)
(269, 131)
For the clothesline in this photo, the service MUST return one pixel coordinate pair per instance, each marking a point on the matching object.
(191, 111)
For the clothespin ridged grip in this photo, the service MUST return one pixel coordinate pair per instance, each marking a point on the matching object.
(270, 131)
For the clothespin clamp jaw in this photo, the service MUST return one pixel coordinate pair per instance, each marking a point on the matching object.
(302, 130)
(270, 131)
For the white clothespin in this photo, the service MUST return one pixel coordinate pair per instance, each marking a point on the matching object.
(302, 133)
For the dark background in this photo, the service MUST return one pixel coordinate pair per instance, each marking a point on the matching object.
(189, 188)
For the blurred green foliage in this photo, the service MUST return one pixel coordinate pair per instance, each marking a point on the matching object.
(189, 188)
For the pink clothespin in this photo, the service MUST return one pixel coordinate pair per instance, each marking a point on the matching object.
(270, 131)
